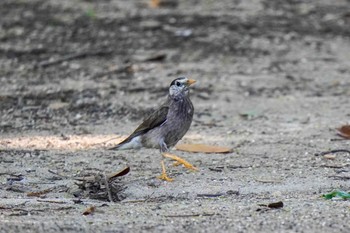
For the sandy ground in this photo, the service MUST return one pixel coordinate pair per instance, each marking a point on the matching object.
(273, 84)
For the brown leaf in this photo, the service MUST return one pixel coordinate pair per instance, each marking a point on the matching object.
(154, 3)
(89, 210)
(120, 173)
(163, 3)
(344, 131)
(57, 105)
(203, 148)
(39, 193)
(274, 205)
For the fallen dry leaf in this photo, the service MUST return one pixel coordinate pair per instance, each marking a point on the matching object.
(39, 193)
(163, 3)
(57, 105)
(203, 148)
(274, 205)
(344, 131)
(89, 210)
(330, 156)
(119, 173)
(154, 3)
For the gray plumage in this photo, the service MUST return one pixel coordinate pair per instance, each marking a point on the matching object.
(168, 124)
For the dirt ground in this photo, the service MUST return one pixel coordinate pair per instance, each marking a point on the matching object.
(273, 84)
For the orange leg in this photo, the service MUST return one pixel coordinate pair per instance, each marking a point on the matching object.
(180, 161)
(164, 176)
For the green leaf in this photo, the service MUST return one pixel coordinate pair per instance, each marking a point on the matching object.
(337, 194)
(91, 13)
(250, 115)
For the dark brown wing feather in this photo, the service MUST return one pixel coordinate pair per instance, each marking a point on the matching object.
(157, 118)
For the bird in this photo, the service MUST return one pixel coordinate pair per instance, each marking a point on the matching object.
(165, 126)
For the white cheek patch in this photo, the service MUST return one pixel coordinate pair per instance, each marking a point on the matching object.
(173, 90)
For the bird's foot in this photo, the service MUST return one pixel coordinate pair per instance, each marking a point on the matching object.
(180, 161)
(164, 176)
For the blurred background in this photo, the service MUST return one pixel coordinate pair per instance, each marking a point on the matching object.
(88, 66)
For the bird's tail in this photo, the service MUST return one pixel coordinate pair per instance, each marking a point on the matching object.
(120, 145)
(117, 147)
(129, 143)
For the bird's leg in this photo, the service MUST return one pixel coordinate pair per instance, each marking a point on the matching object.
(164, 176)
(163, 147)
(165, 152)
(179, 161)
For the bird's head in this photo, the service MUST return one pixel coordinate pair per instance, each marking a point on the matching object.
(180, 86)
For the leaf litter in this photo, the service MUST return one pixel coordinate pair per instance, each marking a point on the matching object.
(202, 148)
(337, 194)
(102, 187)
(344, 131)
(273, 205)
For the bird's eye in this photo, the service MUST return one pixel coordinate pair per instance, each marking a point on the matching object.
(178, 84)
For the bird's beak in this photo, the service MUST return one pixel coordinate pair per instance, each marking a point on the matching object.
(190, 82)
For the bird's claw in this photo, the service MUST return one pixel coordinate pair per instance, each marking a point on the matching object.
(164, 176)
(180, 161)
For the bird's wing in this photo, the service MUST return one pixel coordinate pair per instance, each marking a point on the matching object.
(157, 118)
